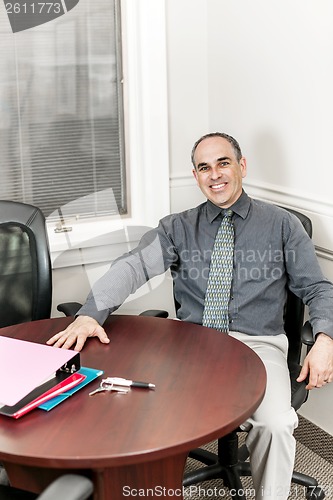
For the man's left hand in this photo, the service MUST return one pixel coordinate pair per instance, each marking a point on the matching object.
(318, 363)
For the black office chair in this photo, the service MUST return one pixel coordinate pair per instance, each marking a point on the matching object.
(66, 487)
(230, 462)
(25, 267)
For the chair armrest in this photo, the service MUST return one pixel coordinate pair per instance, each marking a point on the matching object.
(307, 335)
(157, 313)
(69, 308)
(69, 487)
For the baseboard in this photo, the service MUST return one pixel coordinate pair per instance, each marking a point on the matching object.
(315, 438)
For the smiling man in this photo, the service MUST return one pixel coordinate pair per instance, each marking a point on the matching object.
(261, 249)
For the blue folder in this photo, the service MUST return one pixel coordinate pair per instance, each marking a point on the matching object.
(90, 373)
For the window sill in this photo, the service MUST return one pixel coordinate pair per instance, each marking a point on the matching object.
(93, 241)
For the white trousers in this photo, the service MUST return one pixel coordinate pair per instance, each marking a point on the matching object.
(270, 440)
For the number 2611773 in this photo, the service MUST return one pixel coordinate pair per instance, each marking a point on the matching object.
(33, 8)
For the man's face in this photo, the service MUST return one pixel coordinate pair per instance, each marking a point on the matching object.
(218, 173)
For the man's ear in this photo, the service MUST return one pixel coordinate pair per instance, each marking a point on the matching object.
(243, 166)
(195, 174)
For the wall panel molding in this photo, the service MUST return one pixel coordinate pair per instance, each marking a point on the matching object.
(289, 198)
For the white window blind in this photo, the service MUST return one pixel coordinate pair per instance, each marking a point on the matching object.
(61, 112)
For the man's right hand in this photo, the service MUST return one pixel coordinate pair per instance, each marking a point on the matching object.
(78, 332)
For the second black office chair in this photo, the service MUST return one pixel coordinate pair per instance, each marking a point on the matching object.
(230, 463)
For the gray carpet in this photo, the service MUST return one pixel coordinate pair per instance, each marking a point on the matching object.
(314, 456)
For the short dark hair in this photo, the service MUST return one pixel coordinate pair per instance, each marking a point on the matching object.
(229, 138)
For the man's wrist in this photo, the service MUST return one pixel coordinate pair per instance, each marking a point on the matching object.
(323, 337)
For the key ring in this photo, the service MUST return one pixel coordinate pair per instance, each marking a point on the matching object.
(106, 385)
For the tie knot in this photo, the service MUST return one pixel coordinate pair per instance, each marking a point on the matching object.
(227, 213)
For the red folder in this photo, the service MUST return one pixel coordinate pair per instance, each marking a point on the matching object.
(18, 410)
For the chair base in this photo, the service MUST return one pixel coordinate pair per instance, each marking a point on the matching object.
(229, 464)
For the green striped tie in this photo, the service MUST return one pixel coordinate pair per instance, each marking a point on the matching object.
(215, 314)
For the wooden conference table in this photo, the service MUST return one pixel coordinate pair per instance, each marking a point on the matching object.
(206, 385)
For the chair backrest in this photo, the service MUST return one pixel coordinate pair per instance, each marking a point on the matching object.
(25, 266)
(294, 309)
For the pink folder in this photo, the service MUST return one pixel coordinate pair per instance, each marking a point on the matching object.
(26, 365)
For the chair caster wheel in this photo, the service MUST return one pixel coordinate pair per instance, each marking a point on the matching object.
(316, 493)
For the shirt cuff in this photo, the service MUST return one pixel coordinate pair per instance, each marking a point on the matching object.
(89, 310)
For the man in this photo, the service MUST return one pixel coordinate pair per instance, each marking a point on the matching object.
(270, 251)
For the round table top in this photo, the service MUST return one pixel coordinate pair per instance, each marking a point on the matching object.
(207, 384)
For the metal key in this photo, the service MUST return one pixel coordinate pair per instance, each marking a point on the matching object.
(101, 388)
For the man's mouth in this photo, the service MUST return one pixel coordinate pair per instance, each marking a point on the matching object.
(216, 187)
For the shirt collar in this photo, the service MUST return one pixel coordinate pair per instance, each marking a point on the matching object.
(241, 207)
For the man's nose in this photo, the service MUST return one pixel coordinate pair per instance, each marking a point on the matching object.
(215, 172)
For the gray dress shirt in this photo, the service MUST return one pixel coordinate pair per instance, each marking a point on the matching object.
(272, 252)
